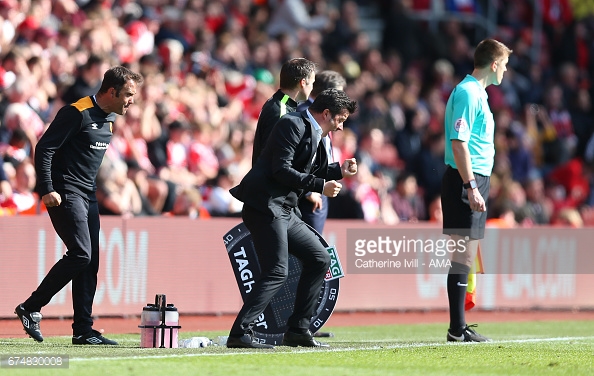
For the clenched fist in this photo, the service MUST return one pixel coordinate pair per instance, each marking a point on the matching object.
(331, 188)
(349, 167)
(52, 199)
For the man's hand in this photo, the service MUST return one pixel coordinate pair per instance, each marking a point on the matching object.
(316, 200)
(52, 199)
(476, 201)
(331, 188)
(349, 167)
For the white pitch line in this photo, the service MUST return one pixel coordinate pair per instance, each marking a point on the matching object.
(343, 349)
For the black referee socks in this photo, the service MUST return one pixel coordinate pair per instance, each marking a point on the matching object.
(457, 283)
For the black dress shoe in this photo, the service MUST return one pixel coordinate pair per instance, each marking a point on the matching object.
(305, 340)
(246, 341)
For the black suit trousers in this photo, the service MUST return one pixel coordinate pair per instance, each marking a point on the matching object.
(274, 238)
(76, 221)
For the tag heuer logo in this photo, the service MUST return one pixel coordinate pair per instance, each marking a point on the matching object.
(335, 271)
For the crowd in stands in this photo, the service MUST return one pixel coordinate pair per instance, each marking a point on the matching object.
(209, 66)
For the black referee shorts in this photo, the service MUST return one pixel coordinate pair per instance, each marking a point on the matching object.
(458, 218)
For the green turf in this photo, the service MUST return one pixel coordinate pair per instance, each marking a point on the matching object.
(539, 348)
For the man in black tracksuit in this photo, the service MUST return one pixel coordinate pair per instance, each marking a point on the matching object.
(67, 158)
(296, 82)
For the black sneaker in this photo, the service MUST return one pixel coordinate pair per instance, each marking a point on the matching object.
(467, 334)
(92, 338)
(30, 321)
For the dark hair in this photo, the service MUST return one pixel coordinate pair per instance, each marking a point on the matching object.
(334, 100)
(116, 77)
(92, 61)
(294, 71)
(488, 51)
(404, 176)
(327, 79)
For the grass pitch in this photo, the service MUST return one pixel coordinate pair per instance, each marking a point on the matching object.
(537, 348)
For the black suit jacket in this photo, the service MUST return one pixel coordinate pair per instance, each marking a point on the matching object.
(272, 110)
(286, 168)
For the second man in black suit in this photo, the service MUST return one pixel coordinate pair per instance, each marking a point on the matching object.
(314, 206)
(297, 77)
(293, 161)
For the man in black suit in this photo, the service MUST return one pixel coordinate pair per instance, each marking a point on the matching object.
(293, 161)
(313, 205)
(297, 77)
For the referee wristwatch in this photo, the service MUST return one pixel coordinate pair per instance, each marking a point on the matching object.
(471, 184)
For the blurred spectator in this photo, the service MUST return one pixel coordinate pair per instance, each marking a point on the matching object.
(569, 217)
(373, 63)
(394, 93)
(429, 166)
(345, 28)
(505, 216)
(88, 80)
(378, 153)
(202, 160)
(178, 143)
(409, 140)
(116, 193)
(460, 55)
(288, 16)
(519, 157)
(20, 115)
(171, 53)
(407, 201)
(512, 198)
(24, 197)
(375, 114)
(5, 186)
(570, 81)
(365, 202)
(344, 145)
(556, 194)
(564, 144)
(141, 37)
(581, 117)
(129, 145)
(170, 29)
(6, 79)
(547, 149)
(401, 33)
(572, 177)
(188, 203)
(538, 208)
(136, 131)
(587, 214)
(434, 208)
(18, 148)
(219, 201)
(443, 78)
(42, 98)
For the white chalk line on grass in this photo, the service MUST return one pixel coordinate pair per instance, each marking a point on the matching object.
(341, 349)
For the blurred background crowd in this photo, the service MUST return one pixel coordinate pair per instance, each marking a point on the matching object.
(209, 66)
